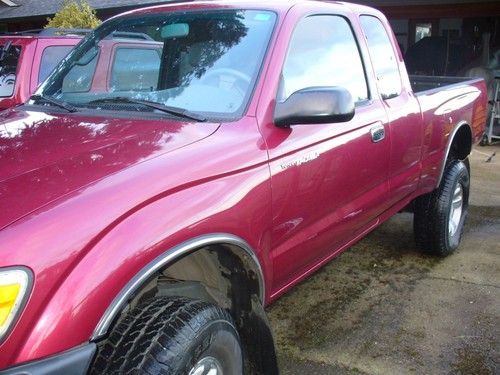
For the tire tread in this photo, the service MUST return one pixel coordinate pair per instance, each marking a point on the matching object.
(142, 342)
(431, 213)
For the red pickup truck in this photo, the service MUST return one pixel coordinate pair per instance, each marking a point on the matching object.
(146, 221)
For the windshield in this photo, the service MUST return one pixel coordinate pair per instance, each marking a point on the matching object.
(9, 58)
(201, 62)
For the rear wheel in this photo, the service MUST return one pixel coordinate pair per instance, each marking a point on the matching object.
(172, 336)
(440, 215)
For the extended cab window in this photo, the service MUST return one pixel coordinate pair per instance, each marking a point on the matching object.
(79, 78)
(323, 52)
(9, 58)
(51, 56)
(135, 69)
(382, 56)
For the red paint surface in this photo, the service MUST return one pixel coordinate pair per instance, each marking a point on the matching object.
(87, 201)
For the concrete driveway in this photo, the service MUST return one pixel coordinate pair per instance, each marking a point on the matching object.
(384, 308)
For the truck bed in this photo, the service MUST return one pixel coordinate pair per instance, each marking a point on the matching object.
(444, 102)
(420, 83)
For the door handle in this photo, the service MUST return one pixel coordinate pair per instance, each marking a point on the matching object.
(378, 133)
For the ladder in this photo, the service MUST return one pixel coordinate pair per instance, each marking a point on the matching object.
(495, 114)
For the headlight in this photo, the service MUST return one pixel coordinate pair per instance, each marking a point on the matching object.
(14, 285)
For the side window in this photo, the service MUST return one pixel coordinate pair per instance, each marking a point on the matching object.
(51, 56)
(9, 58)
(135, 69)
(323, 52)
(79, 78)
(383, 57)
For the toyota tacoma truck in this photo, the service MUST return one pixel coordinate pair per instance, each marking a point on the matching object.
(147, 220)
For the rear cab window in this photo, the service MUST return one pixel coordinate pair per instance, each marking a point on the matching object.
(51, 56)
(9, 60)
(382, 56)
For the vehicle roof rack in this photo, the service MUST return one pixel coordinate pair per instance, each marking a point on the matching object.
(51, 31)
(24, 32)
(55, 31)
(131, 35)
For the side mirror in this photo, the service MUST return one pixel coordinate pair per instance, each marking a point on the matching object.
(315, 105)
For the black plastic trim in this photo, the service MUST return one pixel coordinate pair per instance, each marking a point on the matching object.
(72, 362)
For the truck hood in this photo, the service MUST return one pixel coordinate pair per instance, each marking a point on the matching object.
(45, 156)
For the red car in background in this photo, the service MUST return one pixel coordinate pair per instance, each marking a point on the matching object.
(26, 60)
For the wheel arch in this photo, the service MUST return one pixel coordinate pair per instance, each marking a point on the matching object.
(459, 146)
(230, 259)
(237, 246)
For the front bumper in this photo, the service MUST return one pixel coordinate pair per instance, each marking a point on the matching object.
(72, 362)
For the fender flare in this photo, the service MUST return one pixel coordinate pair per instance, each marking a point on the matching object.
(451, 138)
(167, 258)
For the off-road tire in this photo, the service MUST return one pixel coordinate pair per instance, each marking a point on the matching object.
(432, 212)
(170, 335)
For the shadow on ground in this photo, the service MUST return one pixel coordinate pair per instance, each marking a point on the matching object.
(384, 308)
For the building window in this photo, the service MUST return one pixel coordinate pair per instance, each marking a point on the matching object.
(422, 30)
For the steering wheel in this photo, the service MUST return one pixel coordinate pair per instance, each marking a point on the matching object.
(227, 78)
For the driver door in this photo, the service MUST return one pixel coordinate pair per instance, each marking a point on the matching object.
(329, 181)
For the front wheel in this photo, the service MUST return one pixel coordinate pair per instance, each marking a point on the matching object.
(440, 215)
(172, 336)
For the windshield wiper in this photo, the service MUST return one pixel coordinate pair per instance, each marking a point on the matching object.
(5, 50)
(180, 112)
(58, 103)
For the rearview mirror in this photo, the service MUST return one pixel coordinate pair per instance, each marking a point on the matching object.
(175, 30)
(315, 105)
